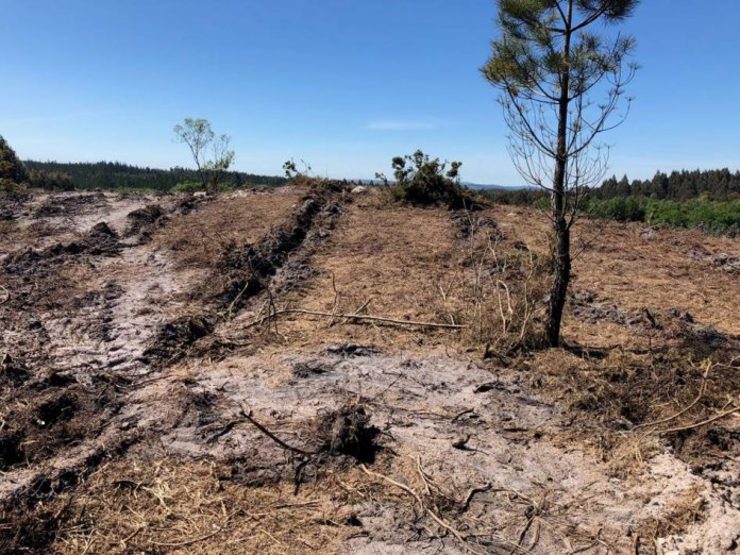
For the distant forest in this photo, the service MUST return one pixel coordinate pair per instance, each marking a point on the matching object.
(676, 186)
(708, 200)
(679, 185)
(115, 175)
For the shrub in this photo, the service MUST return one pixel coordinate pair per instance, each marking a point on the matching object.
(187, 187)
(719, 216)
(716, 216)
(425, 181)
(622, 209)
(7, 186)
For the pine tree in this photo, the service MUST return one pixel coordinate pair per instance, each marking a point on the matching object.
(549, 66)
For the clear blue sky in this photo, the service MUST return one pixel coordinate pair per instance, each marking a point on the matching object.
(344, 84)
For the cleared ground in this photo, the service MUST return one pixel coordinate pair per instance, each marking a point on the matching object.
(311, 370)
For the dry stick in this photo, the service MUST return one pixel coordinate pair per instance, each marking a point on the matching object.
(190, 542)
(357, 312)
(523, 534)
(236, 299)
(471, 494)
(439, 520)
(367, 318)
(702, 423)
(702, 390)
(273, 437)
(335, 307)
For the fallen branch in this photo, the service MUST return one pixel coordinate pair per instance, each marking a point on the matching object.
(354, 317)
(471, 494)
(362, 307)
(702, 390)
(438, 519)
(248, 415)
(702, 423)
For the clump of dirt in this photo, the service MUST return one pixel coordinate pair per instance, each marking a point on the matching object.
(347, 431)
(12, 372)
(351, 350)
(101, 240)
(312, 368)
(11, 452)
(198, 406)
(175, 338)
(720, 261)
(56, 409)
(29, 531)
(660, 393)
(589, 307)
(671, 324)
(70, 205)
(49, 416)
(469, 223)
(144, 221)
(12, 204)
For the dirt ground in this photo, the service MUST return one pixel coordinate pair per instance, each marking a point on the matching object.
(315, 370)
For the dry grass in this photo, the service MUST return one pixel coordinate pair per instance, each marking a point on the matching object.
(168, 506)
(621, 387)
(396, 258)
(657, 270)
(623, 403)
(199, 238)
(415, 264)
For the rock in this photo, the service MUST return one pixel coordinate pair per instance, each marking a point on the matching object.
(360, 189)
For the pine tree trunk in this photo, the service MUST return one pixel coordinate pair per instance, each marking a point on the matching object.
(561, 279)
(561, 230)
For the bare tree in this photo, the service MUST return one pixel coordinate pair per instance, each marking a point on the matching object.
(212, 154)
(549, 67)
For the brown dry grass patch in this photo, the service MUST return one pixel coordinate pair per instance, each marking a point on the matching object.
(657, 270)
(622, 403)
(167, 506)
(199, 238)
(396, 258)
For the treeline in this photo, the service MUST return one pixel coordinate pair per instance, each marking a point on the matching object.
(708, 200)
(118, 176)
(678, 185)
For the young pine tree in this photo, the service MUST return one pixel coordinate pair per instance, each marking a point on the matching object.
(551, 62)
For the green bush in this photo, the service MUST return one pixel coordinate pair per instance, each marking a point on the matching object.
(187, 187)
(425, 181)
(716, 216)
(721, 216)
(621, 209)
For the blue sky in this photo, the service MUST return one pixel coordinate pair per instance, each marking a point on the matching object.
(343, 84)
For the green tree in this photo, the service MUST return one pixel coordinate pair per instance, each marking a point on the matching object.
(212, 154)
(12, 171)
(550, 66)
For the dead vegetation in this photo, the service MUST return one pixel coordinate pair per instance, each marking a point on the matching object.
(315, 370)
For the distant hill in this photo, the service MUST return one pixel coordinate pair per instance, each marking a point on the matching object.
(491, 187)
(116, 175)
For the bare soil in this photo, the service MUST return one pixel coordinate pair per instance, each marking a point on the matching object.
(311, 370)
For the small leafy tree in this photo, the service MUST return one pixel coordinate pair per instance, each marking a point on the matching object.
(212, 154)
(549, 66)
